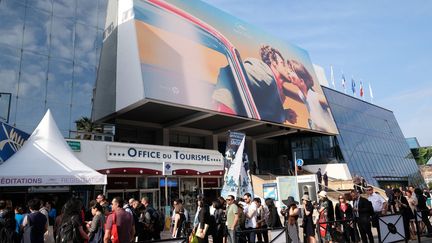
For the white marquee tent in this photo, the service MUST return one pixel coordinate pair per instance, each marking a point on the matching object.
(46, 160)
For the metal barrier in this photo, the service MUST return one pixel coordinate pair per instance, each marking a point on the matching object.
(175, 240)
(423, 226)
(240, 235)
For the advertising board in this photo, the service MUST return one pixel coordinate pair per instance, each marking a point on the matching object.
(195, 55)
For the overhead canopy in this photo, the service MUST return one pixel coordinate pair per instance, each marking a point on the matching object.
(46, 160)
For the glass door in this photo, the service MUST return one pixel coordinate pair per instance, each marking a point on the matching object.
(189, 189)
(153, 195)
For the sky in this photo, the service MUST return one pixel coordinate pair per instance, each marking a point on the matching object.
(385, 43)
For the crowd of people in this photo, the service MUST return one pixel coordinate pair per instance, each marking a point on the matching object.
(102, 221)
(247, 219)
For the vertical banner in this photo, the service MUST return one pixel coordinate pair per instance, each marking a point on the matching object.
(11, 140)
(237, 179)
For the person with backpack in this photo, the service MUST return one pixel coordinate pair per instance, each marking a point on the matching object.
(34, 224)
(152, 220)
(71, 225)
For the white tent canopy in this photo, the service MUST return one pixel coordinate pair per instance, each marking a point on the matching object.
(46, 160)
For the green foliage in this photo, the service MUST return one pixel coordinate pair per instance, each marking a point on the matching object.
(422, 155)
(430, 184)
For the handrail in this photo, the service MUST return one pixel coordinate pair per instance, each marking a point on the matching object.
(331, 189)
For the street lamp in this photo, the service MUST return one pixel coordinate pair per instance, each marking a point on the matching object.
(5, 102)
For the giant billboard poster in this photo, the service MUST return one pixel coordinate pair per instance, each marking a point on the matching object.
(195, 55)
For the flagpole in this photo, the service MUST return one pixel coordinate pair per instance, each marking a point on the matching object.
(332, 77)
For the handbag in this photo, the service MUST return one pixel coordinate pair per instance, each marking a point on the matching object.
(49, 235)
(27, 231)
(193, 238)
(114, 230)
(206, 227)
(97, 237)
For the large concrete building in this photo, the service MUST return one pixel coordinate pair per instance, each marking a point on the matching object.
(172, 78)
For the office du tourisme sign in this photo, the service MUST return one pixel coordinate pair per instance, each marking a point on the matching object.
(160, 154)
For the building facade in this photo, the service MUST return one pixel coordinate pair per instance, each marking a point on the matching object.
(371, 141)
(49, 55)
(150, 88)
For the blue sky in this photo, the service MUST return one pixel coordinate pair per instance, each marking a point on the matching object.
(387, 43)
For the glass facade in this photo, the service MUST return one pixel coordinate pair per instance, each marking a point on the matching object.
(371, 141)
(412, 143)
(49, 54)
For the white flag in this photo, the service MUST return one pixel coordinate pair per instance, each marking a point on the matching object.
(237, 180)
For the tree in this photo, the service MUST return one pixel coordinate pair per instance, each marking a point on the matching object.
(86, 126)
(422, 154)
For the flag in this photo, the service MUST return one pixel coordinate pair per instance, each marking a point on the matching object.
(361, 89)
(237, 179)
(353, 85)
(343, 83)
(370, 92)
(332, 76)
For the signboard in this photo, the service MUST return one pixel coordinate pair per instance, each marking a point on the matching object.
(204, 58)
(287, 187)
(270, 191)
(308, 184)
(297, 186)
(74, 145)
(391, 229)
(167, 169)
(11, 140)
(121, 183)
(160, 154)
(299, 162)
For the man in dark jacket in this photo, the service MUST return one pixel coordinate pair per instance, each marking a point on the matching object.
(37, 220)
(363, 212)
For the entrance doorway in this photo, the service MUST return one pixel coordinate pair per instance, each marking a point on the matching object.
(126, 194)
(153, 195)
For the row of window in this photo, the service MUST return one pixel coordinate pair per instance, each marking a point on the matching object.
(371, 141)
(49, 53)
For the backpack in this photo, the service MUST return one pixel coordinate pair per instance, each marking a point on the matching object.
(7, 228)
(157, 220)
(68, 232)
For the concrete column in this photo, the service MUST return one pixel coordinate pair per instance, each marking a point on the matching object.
(255, 155)
(165, 136)
(215, 142)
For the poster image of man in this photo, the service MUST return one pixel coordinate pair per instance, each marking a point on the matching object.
(222, 64)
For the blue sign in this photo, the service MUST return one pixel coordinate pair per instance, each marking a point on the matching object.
(299, 162)
(11, 140)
